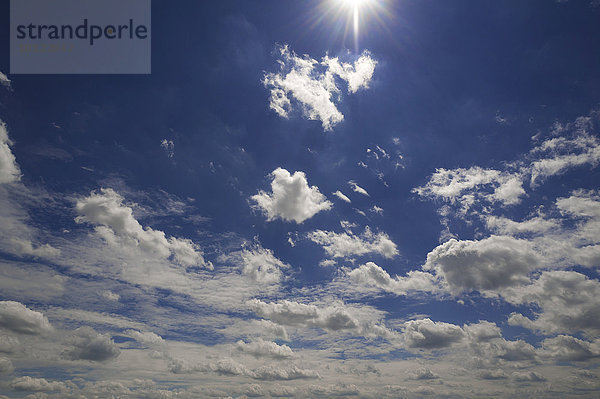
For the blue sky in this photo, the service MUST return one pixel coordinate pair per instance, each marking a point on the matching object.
(288, 208)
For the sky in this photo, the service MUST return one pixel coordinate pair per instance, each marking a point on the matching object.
(301, 201)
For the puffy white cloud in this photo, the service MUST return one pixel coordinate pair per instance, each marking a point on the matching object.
(358, 189)
(27, 383)
(24, 247)
(6, 365)
(4, 80)
(262, 348)
(16, 317)
(313, 84)
(291, 199)
(341, 196)
(261, 265)
(8, 343)
(555, 156)
(568, 348)
(116, 224)
(9, 169)
(111, 296)
(168, 146)
(427, 334)
(531, 376)
(483, 331)
(566, 301)
(145, 337)
(486, 265)
(86, 344)
(298, 314)
(463, 185)
(343, 245)
(372, 274)
(423, 373)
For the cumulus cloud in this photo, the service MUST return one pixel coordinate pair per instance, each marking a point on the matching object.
(566, 301)
(291, 199)
(27, 383)
(358, 189)
(423, 373)
(6, 365)
(115, 222)
(4, 80)
(145, 337)
(341, 196)
(168, 146)
(260, 265)
(232, 368)
(372, 274)
(9, 169)
(486, 265)
(312, 84)
(86, 344)
(343, 245)
(16, 317)
(111, 296)
(427, 334)
(568, 348)
(463, 185)
(24, 247)
(262, 348)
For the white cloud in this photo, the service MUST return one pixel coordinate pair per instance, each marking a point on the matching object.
(355, 187)
(462, 185)
(111, 296)
(145, 337)
(427, 334)
(24, 247)
(372, 274)
(9, 169)
(486, 265)
(116, 224)
(6, 365)
(4, 80)
(16, 317)
(423, 373)
(341, 196)
(262, 348)
(27, 383)
(168, 146)
(567, 348)
(86, 344)
(260, 265)
(291, 199)
(313, 84)
(567, 302)
(344, 245)
(377, 210)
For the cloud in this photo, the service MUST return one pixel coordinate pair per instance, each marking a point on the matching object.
(427, 334)
(531, 376)
(291, 199)
(463, 185)
(9, 169)
(423, 373)
(27, 383)
(16, 317)
(4, 80)
(116, 224)
(111, 296)
(567, 348)
(341, 196)
(371, 274)
(312, 84)
(260, 265)
(262, 348)
(344, 245)
(145, 337)
(24, 247)
(565, 302)
(169, 147)
(6, 365)
(356, 188)
(86, 344)
(486, 265)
